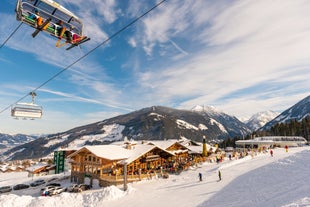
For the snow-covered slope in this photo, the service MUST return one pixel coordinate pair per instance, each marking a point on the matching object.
(255, 181)
(45, 145)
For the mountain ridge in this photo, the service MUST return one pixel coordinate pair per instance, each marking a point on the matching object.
(259, 119)
(151, 123)
(298, 111)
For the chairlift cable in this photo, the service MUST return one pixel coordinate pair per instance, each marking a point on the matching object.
(15, 103)
(115, 34)
(11, 34)
(89, 52)
(105, 41)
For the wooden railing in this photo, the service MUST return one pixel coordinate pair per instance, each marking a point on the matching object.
(130, 178)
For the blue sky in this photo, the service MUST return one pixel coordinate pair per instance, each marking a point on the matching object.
(242, 57)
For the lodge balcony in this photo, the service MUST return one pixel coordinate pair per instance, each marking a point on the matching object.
(108, 179)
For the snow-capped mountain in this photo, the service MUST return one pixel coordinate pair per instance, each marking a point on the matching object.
(258, 120)
(153, 123)
(230, 125)
(297, 112)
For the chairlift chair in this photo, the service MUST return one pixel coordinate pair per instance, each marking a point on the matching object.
(46, 16)
(27, 110)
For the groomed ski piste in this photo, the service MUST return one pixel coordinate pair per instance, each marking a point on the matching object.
(261, 180)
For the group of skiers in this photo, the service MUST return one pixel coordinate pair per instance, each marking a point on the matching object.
(219, 175)
(271, 151)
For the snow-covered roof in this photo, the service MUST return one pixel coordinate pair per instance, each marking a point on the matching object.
(280, 138)
(254, 141)
(187, 142)
(119, 152)
(195, 149)
(139, 150)
(36, 167)
(3, 168)
(164, 144)
(111, 152)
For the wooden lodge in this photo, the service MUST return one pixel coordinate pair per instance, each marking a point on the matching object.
(187, 153)
(181, 159)
(105, 163)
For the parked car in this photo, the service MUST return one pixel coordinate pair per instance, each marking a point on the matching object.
(58, 190)
(37, 182)
(52, 179)
(83, 187)
(5, 189)
(20, 186)
(53, 184)
(72, 188)
(47, 190)
(79, 187)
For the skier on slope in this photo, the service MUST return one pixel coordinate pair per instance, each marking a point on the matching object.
(220, 175)
(271, 152)
(200, 176)
(286, 148)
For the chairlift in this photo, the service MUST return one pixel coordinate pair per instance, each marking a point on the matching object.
(51, 17)
(27, 110)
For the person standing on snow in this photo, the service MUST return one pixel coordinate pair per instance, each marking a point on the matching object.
(200, 176)
(271, 152)
(220, 175)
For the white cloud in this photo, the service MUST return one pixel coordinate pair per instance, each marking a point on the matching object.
(240, 56)
(253, 43)
(132, 42)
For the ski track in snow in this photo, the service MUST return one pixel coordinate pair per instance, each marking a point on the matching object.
(269, 184)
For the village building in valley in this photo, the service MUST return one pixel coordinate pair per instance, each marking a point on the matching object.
(104, 165)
